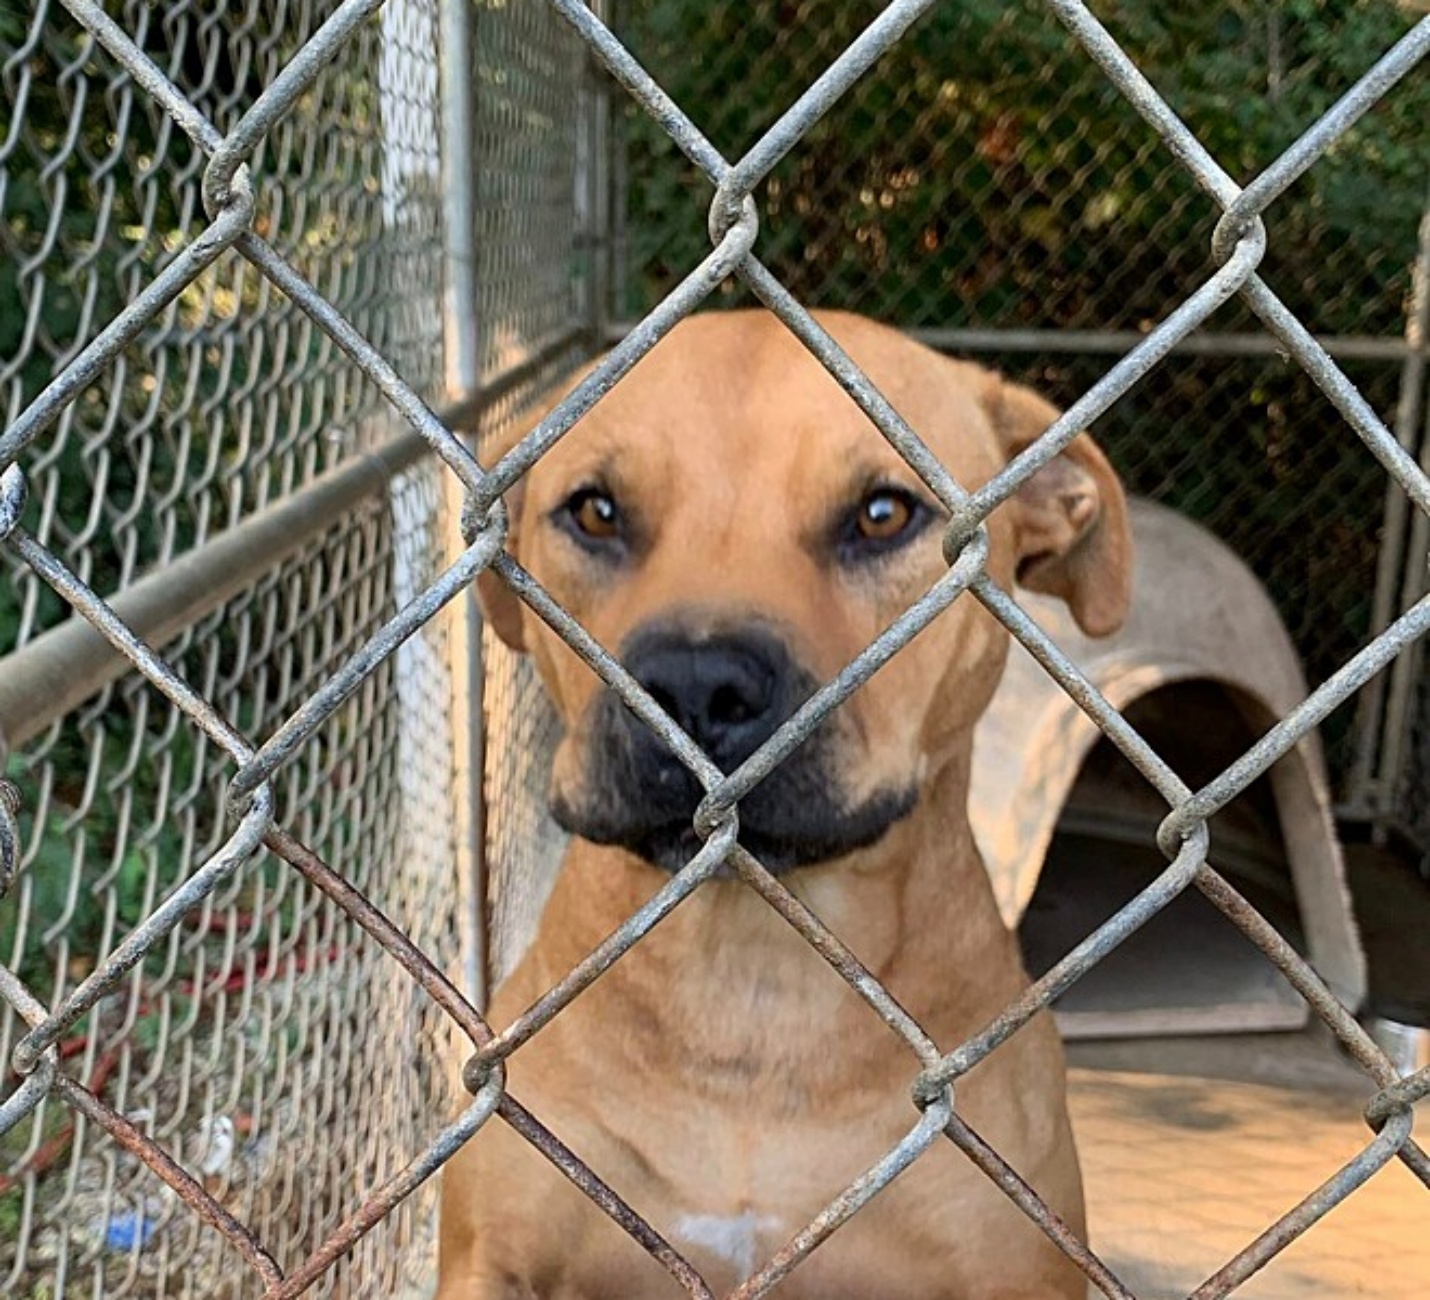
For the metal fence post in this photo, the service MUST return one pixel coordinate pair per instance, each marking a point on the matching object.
(596, 134)
(1381, 727)
(462, 333)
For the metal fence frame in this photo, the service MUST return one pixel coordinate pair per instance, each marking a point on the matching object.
(1239, 243)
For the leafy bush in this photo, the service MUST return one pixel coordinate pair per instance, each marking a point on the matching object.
(986, 172)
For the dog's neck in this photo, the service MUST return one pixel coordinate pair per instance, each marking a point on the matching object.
(724, 982)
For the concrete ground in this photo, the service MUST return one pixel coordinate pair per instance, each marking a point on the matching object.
(1191, 1148)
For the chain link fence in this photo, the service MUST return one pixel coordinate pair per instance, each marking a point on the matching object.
(233, 238)
(988, 189)
(242, 486)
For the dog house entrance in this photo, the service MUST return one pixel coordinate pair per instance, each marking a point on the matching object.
(1188, 970)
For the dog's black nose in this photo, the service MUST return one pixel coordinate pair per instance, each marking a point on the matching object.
(728, 693)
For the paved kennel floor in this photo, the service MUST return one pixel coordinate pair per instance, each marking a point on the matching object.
(1183, 1170)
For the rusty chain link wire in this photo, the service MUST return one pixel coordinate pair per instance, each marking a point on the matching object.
(255, 756)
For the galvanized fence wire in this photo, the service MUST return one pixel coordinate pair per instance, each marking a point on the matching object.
(246, 1033)
(1238, 247)
(987, 188)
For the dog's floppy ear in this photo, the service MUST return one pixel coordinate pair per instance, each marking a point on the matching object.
(1073, 536)
(500, 606)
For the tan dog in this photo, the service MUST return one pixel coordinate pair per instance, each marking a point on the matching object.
(729, 524)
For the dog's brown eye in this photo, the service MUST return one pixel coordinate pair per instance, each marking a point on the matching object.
(883, 515)
(595, 514)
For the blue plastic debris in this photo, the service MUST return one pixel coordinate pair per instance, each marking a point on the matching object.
(129, 1231)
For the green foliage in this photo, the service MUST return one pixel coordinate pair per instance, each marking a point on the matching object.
(985, 172)
(12, 1203)
(98, 193)
(74, 248)
(111, 858)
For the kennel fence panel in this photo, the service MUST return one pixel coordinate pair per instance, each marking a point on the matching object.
(345, 718)
(988, 189)
(242, 1043)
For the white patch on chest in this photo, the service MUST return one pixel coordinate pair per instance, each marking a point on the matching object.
(735, 1238)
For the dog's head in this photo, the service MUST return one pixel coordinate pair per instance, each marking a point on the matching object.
(731, 526)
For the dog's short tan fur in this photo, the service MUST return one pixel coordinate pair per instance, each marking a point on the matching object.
(720, 1077)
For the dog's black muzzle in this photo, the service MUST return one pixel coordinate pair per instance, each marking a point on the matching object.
(729, 692)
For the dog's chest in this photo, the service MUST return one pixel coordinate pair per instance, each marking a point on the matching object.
(739, 1242)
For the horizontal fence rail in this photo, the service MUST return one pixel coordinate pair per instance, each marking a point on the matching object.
(252, 816)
